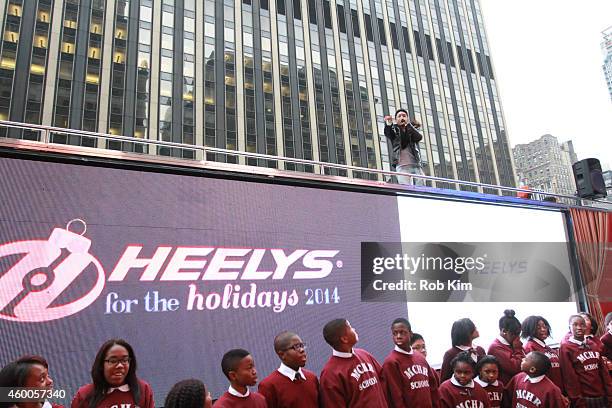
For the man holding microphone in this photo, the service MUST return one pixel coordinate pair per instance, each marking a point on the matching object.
(405, 139)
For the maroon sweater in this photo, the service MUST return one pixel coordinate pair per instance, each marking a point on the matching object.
(118, 398)
(509, 360)
(584, 373)
(446, 371)
(354, 382)
(411, 382)
(555, 371)
(594, 342)
(455, 396)
(606, 341)
(525, 394)
(495, 392)
(254, 400)
(281, 392)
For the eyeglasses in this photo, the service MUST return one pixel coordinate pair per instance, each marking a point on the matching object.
(297, 347)
(115, 361)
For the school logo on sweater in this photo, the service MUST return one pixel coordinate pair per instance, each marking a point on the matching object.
(470, 404)
(363, 368)
(528, 396)
(494, 396)
(588, 355)
(414, 370)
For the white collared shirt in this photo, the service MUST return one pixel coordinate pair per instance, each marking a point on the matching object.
(455, 382)
(538, 341)
(235, 393)
(342, 354)
(400, 350)
(484, 384)
(610, 331)
(503, 341)
(534, 380)
(290, 373)
(472, 351)
(578, 342)
(47, 404)
(124, 388)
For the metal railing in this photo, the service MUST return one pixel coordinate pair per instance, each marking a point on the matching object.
(47, 135)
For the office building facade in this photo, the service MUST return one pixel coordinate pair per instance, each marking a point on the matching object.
(307, 79)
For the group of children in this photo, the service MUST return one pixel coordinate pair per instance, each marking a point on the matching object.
(469, 378)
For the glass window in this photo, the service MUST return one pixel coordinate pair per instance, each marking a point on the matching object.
(146, 13)
(168, 19)
(189, 46)
(165, 88)
(166, 64)
(189, 24)
(167, 42)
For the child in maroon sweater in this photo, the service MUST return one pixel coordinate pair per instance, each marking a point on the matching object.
(532, 388)
(351, 377)
(461, 391)
(606, 340)
(587, 382)
(411, 382)
(488, 371)
(508, 347)
(536, 330)
(463, 333)
(291, 386)
(114, 381)
(30, 371)
(239, 368)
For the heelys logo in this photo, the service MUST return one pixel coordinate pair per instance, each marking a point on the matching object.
(36, 275)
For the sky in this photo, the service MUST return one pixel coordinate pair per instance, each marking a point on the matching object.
(548, 63)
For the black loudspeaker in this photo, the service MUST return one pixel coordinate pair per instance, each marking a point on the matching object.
(589, 180)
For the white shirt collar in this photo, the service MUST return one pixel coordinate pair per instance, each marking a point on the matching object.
(484, 384)
(502, 340)
(578, 342)
(400, 350)
(455, 382)
(538, 341)
(47, 404)
(290, 373)
(610, 331)
(464, 348)
(342, 354)
(534, 380)
(235, 393)
(124, 388)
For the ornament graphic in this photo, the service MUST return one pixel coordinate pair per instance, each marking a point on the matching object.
(30, 286)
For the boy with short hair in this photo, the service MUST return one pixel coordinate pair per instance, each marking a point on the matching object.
(291, 385)
(239, 368)
(351, 377)
(411, 382)
(531, 388)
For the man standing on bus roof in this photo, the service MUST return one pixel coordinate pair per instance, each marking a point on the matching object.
(405, 140)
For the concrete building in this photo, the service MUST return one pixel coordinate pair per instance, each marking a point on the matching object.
(546, 165)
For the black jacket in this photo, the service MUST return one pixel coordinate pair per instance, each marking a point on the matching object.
(406, 140)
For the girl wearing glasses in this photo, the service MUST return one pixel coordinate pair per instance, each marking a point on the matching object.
(114, 380)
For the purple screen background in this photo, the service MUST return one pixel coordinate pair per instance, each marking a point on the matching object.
(124, 207)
